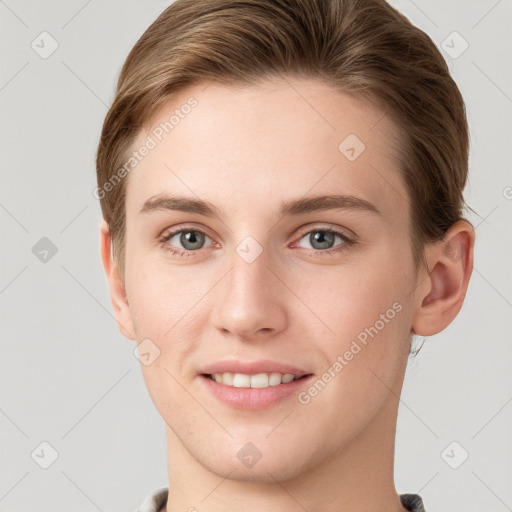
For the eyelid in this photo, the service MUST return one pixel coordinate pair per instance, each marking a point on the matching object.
(182, 227)
(304, 231)
(343, 232)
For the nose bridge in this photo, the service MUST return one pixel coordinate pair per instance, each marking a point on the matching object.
(249, 279)
(250, 301)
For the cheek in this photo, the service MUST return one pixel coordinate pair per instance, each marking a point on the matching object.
(350, 299)
(164, 323)
(368, 311)
(167, 316)
(365, 360)
(159, 297)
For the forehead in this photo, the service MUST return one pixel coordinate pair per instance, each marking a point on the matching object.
(255, 146)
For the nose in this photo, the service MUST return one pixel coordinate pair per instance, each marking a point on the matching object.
(250, 300)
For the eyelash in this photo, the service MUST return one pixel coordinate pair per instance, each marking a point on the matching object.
(347, 241)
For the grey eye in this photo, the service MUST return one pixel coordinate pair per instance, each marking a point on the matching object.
(190, 239)
(321, 239)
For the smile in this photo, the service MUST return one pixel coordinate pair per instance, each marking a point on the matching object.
(257, 391)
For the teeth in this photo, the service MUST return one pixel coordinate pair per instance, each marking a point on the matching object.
(260, 380)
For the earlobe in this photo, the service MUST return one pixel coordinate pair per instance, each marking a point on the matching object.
(116, 286)
(450, 264)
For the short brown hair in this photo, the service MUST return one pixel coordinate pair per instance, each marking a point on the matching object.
(364, 48)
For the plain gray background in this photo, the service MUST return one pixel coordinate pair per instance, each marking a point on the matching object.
(68, 378)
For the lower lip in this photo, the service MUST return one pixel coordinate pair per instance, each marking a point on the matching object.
(254, 398)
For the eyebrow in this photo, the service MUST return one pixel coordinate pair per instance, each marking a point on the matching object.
(292, 207)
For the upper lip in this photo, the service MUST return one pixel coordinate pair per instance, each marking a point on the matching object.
(252, 367)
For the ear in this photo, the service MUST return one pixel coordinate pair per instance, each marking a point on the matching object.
(116, 286)
(443, 286)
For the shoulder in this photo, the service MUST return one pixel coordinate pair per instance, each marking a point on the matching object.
(155, 501)
(412, 502)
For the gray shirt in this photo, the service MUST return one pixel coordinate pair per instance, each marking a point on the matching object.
(157, 500)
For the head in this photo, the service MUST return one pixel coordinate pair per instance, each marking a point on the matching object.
(246, 108)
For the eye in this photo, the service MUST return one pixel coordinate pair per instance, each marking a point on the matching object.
(322, 240)
(184, 241)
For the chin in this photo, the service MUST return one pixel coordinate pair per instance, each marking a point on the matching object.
(261, 472)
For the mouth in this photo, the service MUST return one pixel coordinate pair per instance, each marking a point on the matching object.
(258, 380)
(252, 385)
(254, 391)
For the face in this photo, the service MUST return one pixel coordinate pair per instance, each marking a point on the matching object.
(234, 265)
